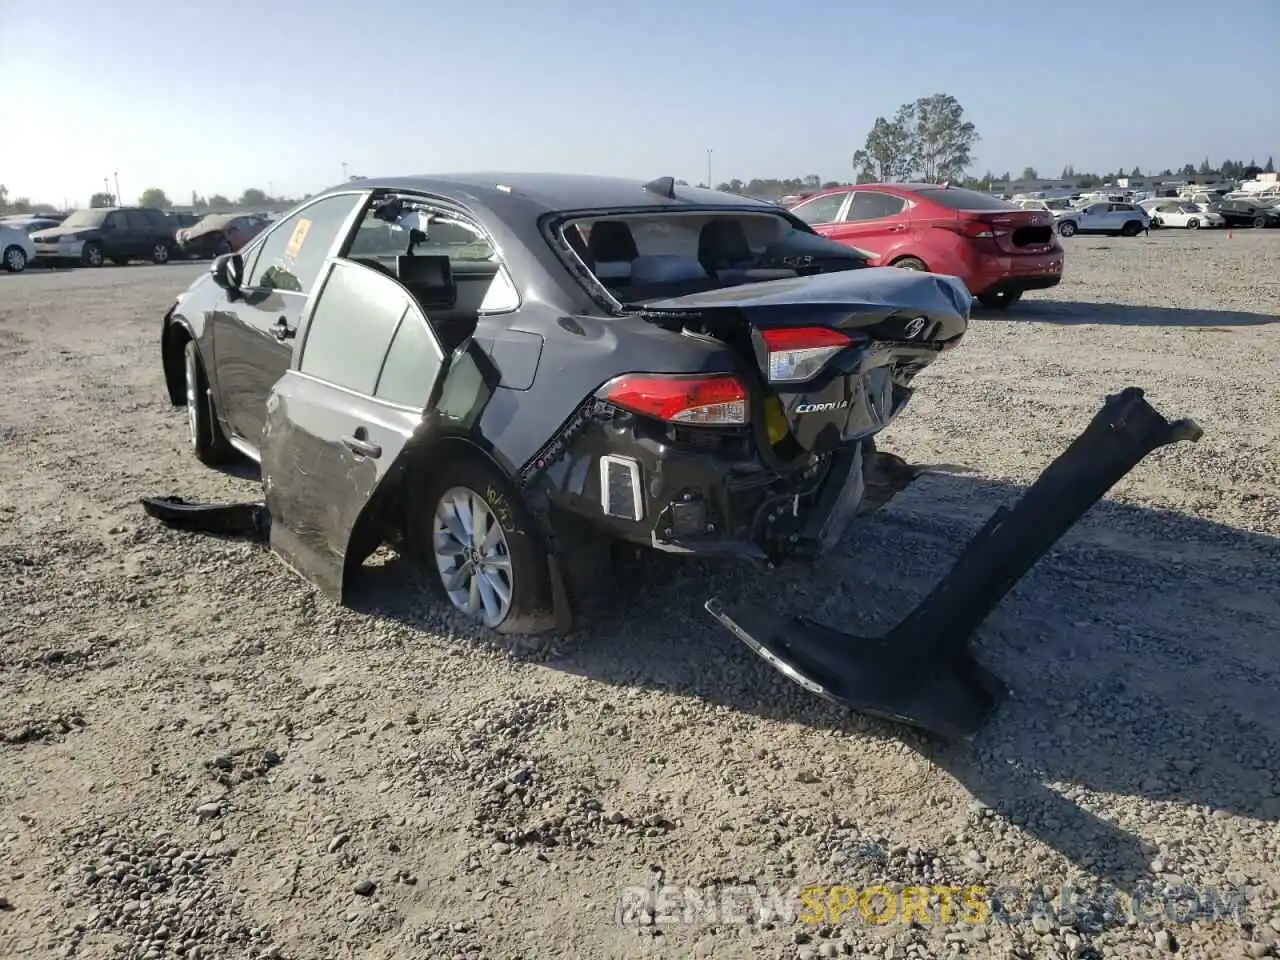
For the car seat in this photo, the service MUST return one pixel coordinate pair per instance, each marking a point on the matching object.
(611, 247)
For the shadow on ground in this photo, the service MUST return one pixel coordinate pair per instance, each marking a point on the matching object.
(1125, 315)
(1142, 653)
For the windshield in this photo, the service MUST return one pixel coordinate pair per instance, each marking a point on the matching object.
(86, 218)
(1058, 204)
(646, 256)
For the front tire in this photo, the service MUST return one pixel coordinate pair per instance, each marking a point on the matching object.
(1259, 222)
(910, 263)
(1131, 229)
(208, 442)
(91, 255)
(15, 259)
(475, 543)
(1067, 228)
(1193, 224)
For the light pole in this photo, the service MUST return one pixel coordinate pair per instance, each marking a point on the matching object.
(709, 151)
(116, 175)
(344, 171)
(271, 190)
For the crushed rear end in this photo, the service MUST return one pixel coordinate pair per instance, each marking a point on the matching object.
(772, 456)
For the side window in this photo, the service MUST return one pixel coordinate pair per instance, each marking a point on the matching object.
(291, 257)
(116, 220)
(137, 220)
(822, 209)
(412, 363)
(869, 205)
(354, 318)
(482, 281)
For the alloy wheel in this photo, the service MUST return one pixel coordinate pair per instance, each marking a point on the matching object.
(472, 556)
(15, 260)
(193, 397)
(161, 253)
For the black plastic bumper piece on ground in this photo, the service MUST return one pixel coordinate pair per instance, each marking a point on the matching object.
(220, 519)
(922, 671)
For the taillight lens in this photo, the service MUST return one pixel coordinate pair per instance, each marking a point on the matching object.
(980, 229)
(719, 400)
(799, 353)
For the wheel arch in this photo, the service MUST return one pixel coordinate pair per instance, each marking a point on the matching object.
(907, 256)
(174, 337)
(385, 517)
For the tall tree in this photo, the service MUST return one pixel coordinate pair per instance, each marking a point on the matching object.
(886, 155)
(1135, 172)
(154, 197)
(253, 197)
(1204, 166)
(99, 200)
(1029, 173)
(942, 141)
(1269, 168)
(220, 203)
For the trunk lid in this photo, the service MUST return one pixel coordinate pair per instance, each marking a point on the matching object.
(831, 355)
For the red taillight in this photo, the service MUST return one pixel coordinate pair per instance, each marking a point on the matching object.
(706, 400)
(979, 228)
(798, 353)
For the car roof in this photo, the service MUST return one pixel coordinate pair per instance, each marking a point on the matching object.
(506, 193)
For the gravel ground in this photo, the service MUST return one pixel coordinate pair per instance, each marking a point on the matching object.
(200, 757)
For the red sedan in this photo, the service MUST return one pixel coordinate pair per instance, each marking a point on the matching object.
(999, 250)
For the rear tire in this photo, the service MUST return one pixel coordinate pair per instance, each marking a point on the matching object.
(15, 259)
(505, 586)
(1067, 228)
(1131, 229)
(910, 263)
(1259, 222)
(203, 430)
(160, 253)
(1000, 300)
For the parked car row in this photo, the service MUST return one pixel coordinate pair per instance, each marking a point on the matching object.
(94, 236)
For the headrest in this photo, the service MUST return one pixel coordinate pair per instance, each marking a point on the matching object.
(665, 268)
(429, 271)
(723, 243)
(611, 240)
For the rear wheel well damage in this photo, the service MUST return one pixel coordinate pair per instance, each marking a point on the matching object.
(389, 518)
(173, 343)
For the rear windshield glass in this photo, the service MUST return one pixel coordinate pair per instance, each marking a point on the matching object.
(957, 199)
(639, 257)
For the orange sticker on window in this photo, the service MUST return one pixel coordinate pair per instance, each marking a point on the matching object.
(298, 238)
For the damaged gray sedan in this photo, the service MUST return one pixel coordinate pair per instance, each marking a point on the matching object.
(502, 374)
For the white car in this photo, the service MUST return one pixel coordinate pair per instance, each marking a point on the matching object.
(1183, 213)
(16, 248)
(1122, 219)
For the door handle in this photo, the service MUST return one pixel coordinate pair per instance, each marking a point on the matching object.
(360, 444)
(282, 331)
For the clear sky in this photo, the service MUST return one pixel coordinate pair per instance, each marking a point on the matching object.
(222, 95)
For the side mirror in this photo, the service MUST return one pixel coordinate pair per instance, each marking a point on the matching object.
(228, 271)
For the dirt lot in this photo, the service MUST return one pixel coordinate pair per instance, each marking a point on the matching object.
(201, 757)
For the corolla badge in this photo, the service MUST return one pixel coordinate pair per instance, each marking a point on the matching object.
(913, 327)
